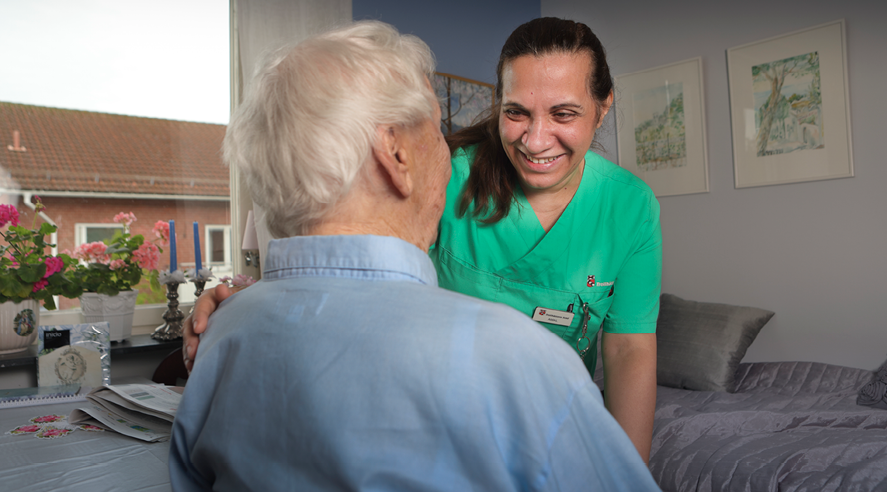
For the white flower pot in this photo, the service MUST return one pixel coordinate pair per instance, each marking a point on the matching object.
(18, 325)
(116, 310)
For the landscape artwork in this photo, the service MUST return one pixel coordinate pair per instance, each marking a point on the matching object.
(461, 100)
(659, 132)
(788, 105)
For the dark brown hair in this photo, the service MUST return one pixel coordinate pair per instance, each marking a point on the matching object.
(492, 179)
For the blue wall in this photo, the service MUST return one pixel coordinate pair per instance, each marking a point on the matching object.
(465, 36)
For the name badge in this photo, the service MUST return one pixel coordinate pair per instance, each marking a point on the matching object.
(553, 316)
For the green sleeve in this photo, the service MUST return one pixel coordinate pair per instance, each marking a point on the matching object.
(635, 306)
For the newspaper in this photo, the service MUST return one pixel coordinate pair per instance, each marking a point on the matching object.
(142, 411)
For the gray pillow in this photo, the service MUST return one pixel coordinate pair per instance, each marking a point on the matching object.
(874, 394)
(700, 344)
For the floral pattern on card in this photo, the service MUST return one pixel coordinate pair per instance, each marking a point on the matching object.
(53, 432)
(25, 429)
(51, 427)
(48, 419)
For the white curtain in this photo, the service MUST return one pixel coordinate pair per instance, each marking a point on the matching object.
(260, 26)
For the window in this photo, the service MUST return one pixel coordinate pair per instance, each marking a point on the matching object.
(124, 130)
(90, 233)
(218, 245)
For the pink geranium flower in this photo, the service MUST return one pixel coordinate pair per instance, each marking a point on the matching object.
(92, 253)
(54, 264)
(129, 258)
(147, 256)
(161, 232)
(8, 215)
(126, 218)
(38, 204)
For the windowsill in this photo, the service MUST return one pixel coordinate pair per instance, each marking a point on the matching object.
(146, 318)
(134, 344)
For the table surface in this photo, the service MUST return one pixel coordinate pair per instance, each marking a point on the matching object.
(80, 461)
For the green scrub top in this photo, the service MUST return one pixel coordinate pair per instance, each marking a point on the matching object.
(604, 250)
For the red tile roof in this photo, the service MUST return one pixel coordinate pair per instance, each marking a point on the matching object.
(82, 151)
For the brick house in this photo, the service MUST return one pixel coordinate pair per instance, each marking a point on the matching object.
(87, 167)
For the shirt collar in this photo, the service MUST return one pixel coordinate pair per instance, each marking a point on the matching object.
(354, 252)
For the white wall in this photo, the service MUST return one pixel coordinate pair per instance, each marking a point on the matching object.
(261, 26)
(815, 253)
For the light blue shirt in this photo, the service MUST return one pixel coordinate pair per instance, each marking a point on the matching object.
(347, 368)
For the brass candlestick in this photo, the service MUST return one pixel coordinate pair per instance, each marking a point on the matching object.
(172, 328)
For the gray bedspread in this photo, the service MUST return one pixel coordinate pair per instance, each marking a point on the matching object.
(791, 426)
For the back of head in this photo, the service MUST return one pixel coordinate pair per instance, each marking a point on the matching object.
(308, 122)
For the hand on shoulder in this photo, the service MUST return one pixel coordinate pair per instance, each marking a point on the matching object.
(196, 323)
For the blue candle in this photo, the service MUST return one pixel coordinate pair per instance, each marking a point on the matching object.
(172, 246)
(197, 248)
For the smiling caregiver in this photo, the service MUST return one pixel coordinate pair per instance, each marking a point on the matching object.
(537, 221)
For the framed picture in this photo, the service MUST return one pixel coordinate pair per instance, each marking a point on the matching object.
(790, 109)
(661, 127)
(461, 100)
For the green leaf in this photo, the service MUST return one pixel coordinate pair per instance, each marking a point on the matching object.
(155, 281)
(100, 268)
(24, 291)
(8, 286)
(116, 238)
(32, 273)
(110, 290)
(114, 249)
(132, 276)
(46, 229)
(19, 230)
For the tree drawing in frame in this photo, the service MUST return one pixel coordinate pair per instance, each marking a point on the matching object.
(788, 105)
(461, 100)
(660, 135)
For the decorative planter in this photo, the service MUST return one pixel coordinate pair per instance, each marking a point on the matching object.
(18, 325)
(116, 310)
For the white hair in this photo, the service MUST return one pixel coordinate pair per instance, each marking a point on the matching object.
(308, 123)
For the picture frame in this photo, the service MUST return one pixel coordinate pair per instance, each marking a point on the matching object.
(462, 100)
(793, 89)
(660, 122)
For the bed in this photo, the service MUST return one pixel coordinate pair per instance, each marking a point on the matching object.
(723, 425)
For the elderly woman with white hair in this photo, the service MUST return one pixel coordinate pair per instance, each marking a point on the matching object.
(346, 367)
(303, 138)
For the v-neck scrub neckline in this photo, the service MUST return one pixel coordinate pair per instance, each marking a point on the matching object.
(604, 250)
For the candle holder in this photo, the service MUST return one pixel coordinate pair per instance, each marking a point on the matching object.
(198, 287)
(199, 278)
(172, 328)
